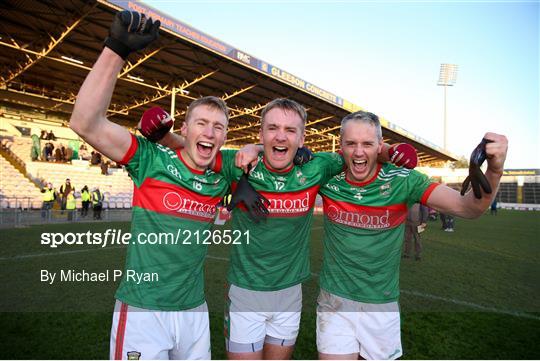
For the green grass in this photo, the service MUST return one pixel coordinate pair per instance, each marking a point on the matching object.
(474, 295)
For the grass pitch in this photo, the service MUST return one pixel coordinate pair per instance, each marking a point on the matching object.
(474, 295)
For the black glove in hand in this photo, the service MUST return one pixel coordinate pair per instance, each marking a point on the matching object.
(303, 155)
(131, 31)
(255, 203)
(476, 178)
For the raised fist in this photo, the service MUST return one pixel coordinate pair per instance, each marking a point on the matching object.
(131, 31)
(155, 123)
(403, 155)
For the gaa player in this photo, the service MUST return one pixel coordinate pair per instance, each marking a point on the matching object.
(365, 210)
(174, 191)
(265, 294)
(265, 274)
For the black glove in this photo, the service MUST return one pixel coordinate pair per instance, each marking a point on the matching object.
(303, 155)
(476, 178)
(131, 31)
(255, 203)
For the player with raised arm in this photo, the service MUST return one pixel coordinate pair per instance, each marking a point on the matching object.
(165, 316)
(365, 208)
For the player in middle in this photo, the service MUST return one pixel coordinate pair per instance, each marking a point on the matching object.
(266, 275)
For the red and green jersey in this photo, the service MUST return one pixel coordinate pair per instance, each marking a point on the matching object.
(169, 198)
(363, 232)
(277, 255)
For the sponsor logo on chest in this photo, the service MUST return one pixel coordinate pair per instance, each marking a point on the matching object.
(171, 199)
(176, 202)
(289, 204)
(366, 217)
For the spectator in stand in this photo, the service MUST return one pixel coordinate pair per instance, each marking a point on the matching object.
(71, 205)
(85, 197)
(83, 152)
(65, 189)
(44, 153)
(96, 158)
(43, 135)
(49, 195)
(51, 136)
(417, 217)
(47, 151)
(51, 152)
(104, 167)
(58, 154)
(97, 202)
(68, 155)
(36, 147)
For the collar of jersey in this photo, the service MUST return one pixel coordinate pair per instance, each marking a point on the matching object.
(286, 170)
(192, 170)
(361, 184)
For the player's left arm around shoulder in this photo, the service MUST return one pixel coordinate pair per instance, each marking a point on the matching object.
(247, 156)
(384, 155)
(173, 141)
(450, 201)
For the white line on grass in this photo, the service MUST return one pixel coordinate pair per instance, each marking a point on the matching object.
(33, 255)
(313, 274)
(471, 305)
(463, 303)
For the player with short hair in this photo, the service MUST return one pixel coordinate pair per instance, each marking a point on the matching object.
(365, 208)
(265, 276)
(161, 312)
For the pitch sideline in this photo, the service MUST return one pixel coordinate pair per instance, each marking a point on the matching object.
(409, 292)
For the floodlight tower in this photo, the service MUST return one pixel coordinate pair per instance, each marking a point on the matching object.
(447, 77)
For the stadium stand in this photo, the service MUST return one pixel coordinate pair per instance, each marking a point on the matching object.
(43, 77)
(531, 193)
(17, 191)
(508, 193)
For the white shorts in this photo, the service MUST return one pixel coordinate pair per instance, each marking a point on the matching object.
(345, 327)
(142, 334)
(256, 317)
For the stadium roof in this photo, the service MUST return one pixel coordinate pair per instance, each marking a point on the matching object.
(48, 47)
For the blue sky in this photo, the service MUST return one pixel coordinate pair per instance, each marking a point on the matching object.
(385, 57)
